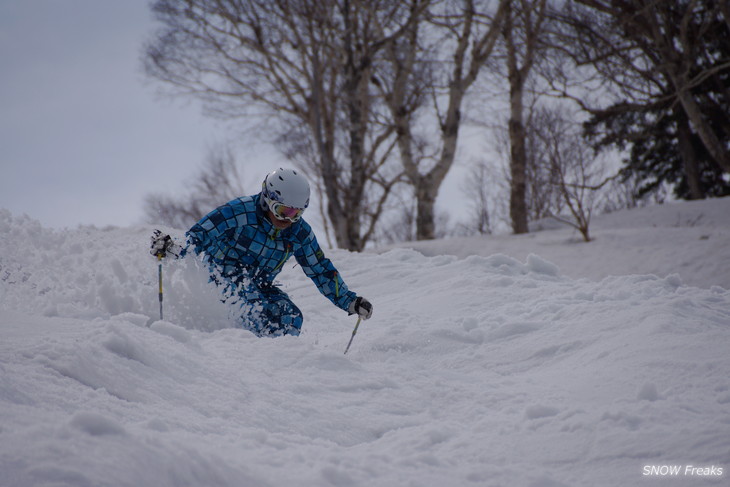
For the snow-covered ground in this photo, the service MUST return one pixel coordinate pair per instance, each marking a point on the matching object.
(690, 238)
(532, 361)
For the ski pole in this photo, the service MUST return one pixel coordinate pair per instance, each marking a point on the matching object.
(159, 278)
(353, 334)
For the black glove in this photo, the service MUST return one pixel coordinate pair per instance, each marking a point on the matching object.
(162, 245)
(361, 307)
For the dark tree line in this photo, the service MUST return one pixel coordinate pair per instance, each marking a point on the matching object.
(668, 66)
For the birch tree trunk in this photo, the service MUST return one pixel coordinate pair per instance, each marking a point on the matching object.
(471, 52)
(519, 64)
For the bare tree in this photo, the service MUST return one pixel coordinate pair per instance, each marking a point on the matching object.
(439, 62)
(218, 181)
(577, 173)
(306, 64)
(542, 197)
(522, 32)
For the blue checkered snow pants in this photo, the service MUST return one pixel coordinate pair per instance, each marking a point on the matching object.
(270, 311)
(264, 309)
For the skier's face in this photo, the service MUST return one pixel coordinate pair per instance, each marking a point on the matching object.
(279, 224)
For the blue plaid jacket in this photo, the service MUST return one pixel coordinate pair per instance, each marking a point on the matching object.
(240, 240)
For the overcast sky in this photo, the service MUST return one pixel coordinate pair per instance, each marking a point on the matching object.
(83, 134)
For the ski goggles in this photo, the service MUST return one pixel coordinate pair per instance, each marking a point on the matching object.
(284, 213)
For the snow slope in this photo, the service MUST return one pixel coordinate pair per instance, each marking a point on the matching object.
(691, 238)
(476, 369)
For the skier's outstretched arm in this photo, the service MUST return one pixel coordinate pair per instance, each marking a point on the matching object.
(327, 279)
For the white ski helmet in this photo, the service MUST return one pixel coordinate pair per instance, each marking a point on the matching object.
(283, 191)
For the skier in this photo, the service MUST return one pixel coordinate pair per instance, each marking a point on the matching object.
(246, 243)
